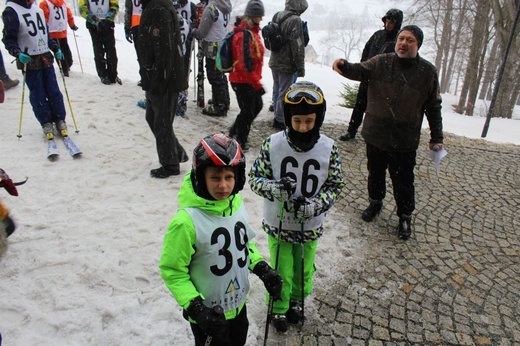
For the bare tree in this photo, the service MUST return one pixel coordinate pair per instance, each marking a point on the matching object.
(504, 12)
(345, 36)
(469, 90)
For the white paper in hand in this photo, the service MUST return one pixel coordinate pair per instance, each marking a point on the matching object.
(436, 157)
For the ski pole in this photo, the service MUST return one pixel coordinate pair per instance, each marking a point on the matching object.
(271, 299)
(19, 135)
(217, 310)
(303, 281)
(77, 50)
(68, 98)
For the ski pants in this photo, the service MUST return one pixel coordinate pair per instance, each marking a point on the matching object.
(250, 103)
(290, 269)
(236, 332)
(219, 84)
(67, 61)
(135, 37)
(400, 165)
(105, 55)
(281, 83)
(160, 113)
(359, 108)
(45, 95)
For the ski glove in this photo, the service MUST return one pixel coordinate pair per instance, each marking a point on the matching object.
(280, 190)
(271, 279)
(7, 183)
(74, 28)
(24, 58)
(58, 54)
(305, 208)
(212, 321)
(110, 15)
(92, 18)
(128, 35)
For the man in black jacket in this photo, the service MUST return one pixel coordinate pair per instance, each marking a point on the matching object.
(163, 76)
(382, 41)
(403, 88)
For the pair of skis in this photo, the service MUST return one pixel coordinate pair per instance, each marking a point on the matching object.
(53, 152)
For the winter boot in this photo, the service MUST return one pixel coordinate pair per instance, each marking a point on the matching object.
(280, 323)
(48, 130)
(62, 127)
(164, 172)
(10, 83)
(347, 136)
(215, 110)
(372, 211)
(405, 228)
(295, 312)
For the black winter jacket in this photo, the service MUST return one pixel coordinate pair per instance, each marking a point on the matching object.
(400, 92)
(380, 42)
(160, 48)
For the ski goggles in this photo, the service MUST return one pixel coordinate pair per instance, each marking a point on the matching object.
(311, 96)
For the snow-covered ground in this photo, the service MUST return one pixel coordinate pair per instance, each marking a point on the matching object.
(81, 269)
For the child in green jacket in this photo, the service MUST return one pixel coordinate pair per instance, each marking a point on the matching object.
(208, 249)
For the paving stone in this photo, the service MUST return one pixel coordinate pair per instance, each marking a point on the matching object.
(455, 282)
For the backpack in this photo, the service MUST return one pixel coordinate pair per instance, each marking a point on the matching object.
(225, 61)
(272, 34)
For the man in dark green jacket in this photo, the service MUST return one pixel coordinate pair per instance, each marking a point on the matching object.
(403, 87)
(163, 76)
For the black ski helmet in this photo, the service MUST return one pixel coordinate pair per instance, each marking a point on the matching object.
(304, 98)
(396, 16)
(217, 150)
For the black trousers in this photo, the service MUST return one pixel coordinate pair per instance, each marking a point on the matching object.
(160, 113)
(219, 84)
(236, 332)
(67, 61)
(105, 55)
(359, 109)
(400, 165)
(135, 37)
(250, 103)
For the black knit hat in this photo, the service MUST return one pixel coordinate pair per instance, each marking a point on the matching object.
(416, 31)
(255, 8)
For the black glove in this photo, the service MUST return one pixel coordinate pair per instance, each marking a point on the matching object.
(212, 321)
(271, 279)
(128, 35)
(280, 190)
(74, 28)
(305, 208)
(104, 25)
